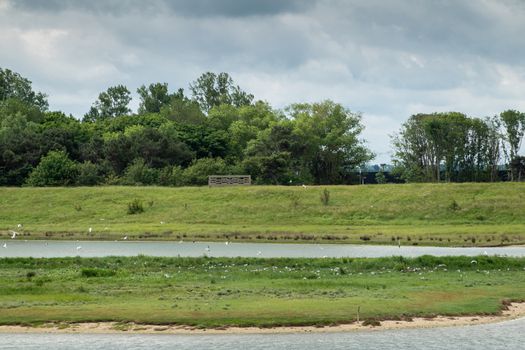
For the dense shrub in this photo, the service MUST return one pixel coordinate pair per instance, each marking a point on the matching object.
(88, 174)
(138, 173)
(55, 169)
(199, 170)
(135, 207)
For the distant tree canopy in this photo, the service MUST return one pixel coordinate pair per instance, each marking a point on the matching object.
(174, 139)
(110, 104)
(15, 87)
(453, 147)
(212, 90)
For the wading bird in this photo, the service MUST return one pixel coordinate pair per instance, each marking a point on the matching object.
(13, 235)
(5, 245)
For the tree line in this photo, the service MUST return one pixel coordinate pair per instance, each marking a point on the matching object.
(454, 147)
(174, 138)
(177, 139)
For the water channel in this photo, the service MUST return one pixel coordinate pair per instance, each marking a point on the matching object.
(504, 335)
(21, 248)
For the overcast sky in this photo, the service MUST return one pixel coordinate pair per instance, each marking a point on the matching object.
(385, 59)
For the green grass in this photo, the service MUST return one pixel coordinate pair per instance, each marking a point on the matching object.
(217, 292)
(470, 214)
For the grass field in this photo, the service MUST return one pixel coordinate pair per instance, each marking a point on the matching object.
(213, 292)
(470, 214)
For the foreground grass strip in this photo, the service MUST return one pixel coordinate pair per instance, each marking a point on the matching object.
(219, 292)
(469, 214)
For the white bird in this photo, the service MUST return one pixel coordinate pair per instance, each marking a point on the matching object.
(79, 247)
(162, 222)
(90, 229)
(304, 186)
(125, 237)
(19, 225)
(473, 262)
(485, 253)
(14, 233)
(226, 242)
(5, 245)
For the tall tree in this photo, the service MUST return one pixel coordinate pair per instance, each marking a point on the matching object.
(14, 86)
(211, 90)
(513, 123)
(467, 149)
(331, 132)
(111, 103)
(154, 97)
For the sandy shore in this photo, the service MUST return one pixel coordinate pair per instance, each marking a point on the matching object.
(514, 310)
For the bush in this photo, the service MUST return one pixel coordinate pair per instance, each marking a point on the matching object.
(88, 174)
(199, 170)
(138, 173)
(94, 272)
(380, 177)
(325, 197)
(55, 169)
(135, 207)
(171, 176)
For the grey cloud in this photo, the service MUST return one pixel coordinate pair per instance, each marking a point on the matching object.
(237, 8)
(191, 8)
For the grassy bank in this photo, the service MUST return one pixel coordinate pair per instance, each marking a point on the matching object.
(212, 292)
(470, 214)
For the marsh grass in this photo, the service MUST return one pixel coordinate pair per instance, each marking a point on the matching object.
(217, 292)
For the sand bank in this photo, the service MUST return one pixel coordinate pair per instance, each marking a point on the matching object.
(513, 311)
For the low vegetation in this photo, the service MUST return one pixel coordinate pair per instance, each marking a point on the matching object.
(218, 292)
(469, 214)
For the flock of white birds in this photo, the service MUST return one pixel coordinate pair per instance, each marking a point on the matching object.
(90, 230)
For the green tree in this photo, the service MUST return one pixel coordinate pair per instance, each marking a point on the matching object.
(211, 90)
(55, 169)
(380, 177)
(199, 170)
(111, 103)
(513, 123)
(331, 135)
(467, 149)
(138, 173)
(20, 150)
(88, 174)
(14, 86)
(183, 110)
(154, 97)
